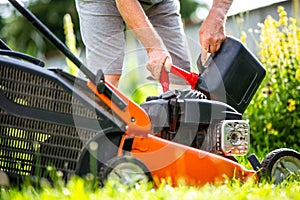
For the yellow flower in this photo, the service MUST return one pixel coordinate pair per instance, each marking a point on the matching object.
(273, 132)
(293, 21)
(280, 9)
(297, 74)
(243, 37)
(273, 58)
(269, 126)
(291, 105)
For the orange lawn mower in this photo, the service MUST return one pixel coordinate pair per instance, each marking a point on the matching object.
(87, 126)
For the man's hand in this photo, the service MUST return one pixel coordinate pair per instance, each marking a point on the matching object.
(158, 60)
(212, 31)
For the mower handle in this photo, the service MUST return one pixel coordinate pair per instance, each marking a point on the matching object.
(191, 78)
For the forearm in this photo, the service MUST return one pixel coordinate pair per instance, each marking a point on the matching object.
(220, 8)
(136, 19)
(212, 31)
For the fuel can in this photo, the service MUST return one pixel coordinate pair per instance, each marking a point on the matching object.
(231, 75)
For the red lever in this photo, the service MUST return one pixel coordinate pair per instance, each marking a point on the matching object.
(164, 80)
(190, 77)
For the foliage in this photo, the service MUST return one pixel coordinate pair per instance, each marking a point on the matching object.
(70, 42)
(275, 111)
(188, 7)
(22, 36)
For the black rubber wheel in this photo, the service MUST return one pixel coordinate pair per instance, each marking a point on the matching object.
(280, 164)
(126, 170)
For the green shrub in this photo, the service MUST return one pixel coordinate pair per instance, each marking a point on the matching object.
(274, 111)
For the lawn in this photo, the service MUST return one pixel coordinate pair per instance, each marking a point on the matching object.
(78, 188)
(86, 188)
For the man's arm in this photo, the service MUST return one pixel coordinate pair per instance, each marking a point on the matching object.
(136, 19)
(212, 31)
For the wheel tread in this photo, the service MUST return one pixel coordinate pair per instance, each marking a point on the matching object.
(271, 158)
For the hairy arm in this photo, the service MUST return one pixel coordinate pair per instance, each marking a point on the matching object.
(212, 31)
(136, 19)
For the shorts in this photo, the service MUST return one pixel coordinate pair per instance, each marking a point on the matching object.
(103, 33)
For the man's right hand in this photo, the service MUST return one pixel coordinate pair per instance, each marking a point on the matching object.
(158, 60)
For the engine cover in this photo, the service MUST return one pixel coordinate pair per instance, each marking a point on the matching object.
(187, 117)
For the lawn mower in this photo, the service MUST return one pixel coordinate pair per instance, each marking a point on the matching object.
(80, 126)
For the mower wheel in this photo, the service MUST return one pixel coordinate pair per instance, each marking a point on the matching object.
(126, 170)
(280, 164)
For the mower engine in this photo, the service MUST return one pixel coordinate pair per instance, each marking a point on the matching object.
(210, 117)
(189, 118)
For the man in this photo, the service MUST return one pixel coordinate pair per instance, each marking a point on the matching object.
(157, 25)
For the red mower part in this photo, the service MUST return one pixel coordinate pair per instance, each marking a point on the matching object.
(190, 77)
(137, 120)
(166, 159)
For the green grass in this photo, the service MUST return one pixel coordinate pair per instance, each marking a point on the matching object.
(78, 188)
(86, 188)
